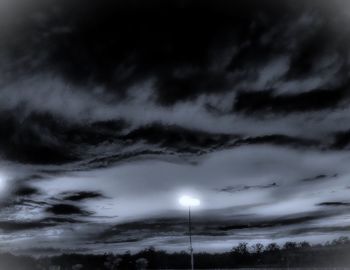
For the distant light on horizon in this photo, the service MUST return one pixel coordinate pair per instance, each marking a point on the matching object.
(189, 201)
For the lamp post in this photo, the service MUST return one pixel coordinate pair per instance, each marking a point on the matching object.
(190, 202)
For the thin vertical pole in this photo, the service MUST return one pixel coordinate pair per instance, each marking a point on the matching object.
(190, 232)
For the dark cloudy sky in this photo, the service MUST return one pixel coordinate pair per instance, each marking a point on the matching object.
(109, 111)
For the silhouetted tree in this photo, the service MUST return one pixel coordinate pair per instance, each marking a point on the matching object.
(241, 253)
(272, 247)
(258, 248)
(304, 245)
(290, 246)
(241, 249)
(343, 240)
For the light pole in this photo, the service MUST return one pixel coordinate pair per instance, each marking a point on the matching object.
(189, 202)
(190, 233)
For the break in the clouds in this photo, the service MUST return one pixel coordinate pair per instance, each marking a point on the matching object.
(110, 111)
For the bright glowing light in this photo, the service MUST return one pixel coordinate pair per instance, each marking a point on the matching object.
(189, 201)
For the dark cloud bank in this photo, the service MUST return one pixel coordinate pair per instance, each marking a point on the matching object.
(106, 106)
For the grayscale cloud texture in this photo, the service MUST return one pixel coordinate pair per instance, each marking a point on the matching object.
(111, 111)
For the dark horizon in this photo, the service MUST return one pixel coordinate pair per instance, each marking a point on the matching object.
(292, 255)
(110, 111)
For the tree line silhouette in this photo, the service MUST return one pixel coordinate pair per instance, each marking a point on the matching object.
(290, 255)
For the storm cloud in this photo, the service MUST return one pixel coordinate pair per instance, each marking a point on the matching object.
(109, 111)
